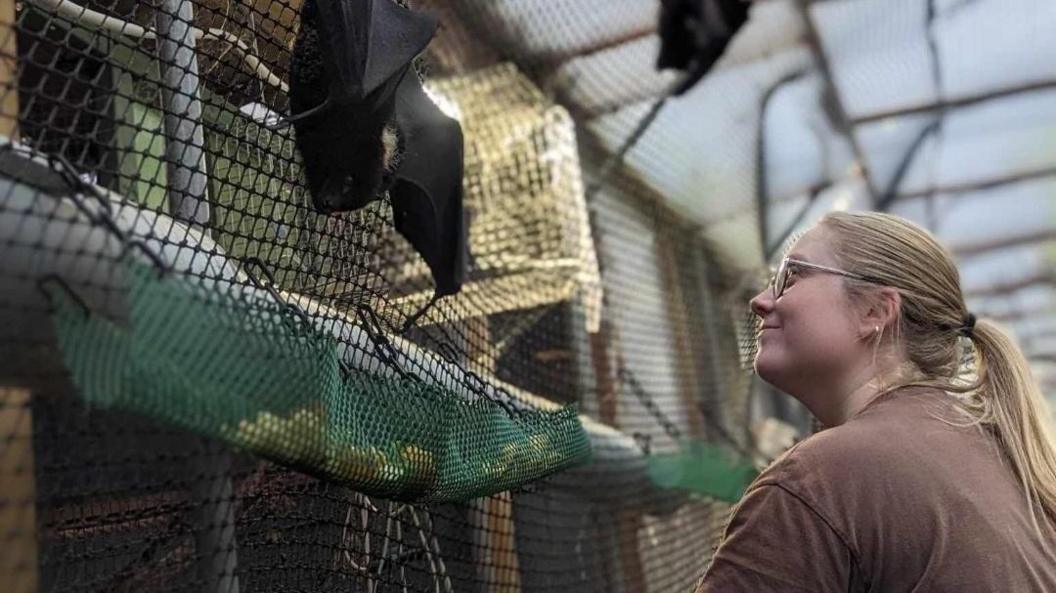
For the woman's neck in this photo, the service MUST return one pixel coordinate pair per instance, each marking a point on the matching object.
(845, 401)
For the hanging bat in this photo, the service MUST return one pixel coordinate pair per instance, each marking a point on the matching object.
(694, 33)
(364, 126)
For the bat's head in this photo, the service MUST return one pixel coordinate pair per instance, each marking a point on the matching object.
(348, 168)
(348, 61)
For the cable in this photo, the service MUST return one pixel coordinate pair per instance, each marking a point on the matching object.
(615, 159)
(933, 128)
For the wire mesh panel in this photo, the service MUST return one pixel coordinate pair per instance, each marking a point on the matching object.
(211, 383)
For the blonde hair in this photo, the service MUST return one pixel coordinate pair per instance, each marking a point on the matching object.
(1000, 393)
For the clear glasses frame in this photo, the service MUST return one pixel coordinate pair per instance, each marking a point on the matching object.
(779, 280)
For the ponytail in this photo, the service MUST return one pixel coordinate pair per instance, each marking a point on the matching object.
(1019, 414)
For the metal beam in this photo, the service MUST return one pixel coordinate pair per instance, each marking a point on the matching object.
(1018, 314)
(843, 120)
(973, 249)
(947, 104)
(993, 182)
(1045, 277)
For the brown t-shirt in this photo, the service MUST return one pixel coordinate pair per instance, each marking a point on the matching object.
(892, 501)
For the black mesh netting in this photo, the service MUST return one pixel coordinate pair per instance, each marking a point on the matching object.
(207, 384)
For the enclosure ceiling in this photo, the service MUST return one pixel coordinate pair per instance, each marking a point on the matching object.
(985, 182)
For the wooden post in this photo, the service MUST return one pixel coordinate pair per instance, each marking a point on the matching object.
(18, 521)
(18, 511)
(495, 554)
(8, 70)
(627, 523)
(678, 313)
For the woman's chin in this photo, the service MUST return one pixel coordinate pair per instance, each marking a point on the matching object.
(767, 368)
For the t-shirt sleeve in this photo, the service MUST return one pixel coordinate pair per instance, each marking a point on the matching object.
(776, 543)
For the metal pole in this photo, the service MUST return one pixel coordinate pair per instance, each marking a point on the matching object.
(212, 491)
(214, 518)
(185, 138)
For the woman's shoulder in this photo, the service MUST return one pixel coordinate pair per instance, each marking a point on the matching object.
(889, 433)
(832, 450)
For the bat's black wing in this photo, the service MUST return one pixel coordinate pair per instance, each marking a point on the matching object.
(694, 33)
(427, 193)
(348, 60)
(355, 102)
(375, 42)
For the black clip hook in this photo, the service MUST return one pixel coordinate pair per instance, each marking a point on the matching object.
(286, 121)
(345, 369)
(159, 264)
(269, 287)
(447, 352)
(56, 279)
(414, 317)
(627, 378)
(645, 441)
(480, 387)
(61, 165)
(475, 382)
(384, 349)
(254, 261)
(506, 406)
(104, 217)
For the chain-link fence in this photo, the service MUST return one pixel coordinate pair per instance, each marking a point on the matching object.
(210, 383)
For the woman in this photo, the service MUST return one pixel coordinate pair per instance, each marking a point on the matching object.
(925, 478)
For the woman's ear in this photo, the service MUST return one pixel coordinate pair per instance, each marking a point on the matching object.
(882, 310)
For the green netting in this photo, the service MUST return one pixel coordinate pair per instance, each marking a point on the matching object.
(704, 468)
(252, 373)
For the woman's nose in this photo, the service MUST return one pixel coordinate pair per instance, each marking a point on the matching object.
(762, 303)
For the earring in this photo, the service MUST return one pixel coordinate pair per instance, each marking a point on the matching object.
(876, 329)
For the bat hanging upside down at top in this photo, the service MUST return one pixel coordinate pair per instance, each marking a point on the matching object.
(364, 126)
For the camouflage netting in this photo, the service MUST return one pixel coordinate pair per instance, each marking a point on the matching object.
(207, 385)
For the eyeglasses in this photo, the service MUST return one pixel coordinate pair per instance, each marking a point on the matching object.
(779, 280)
